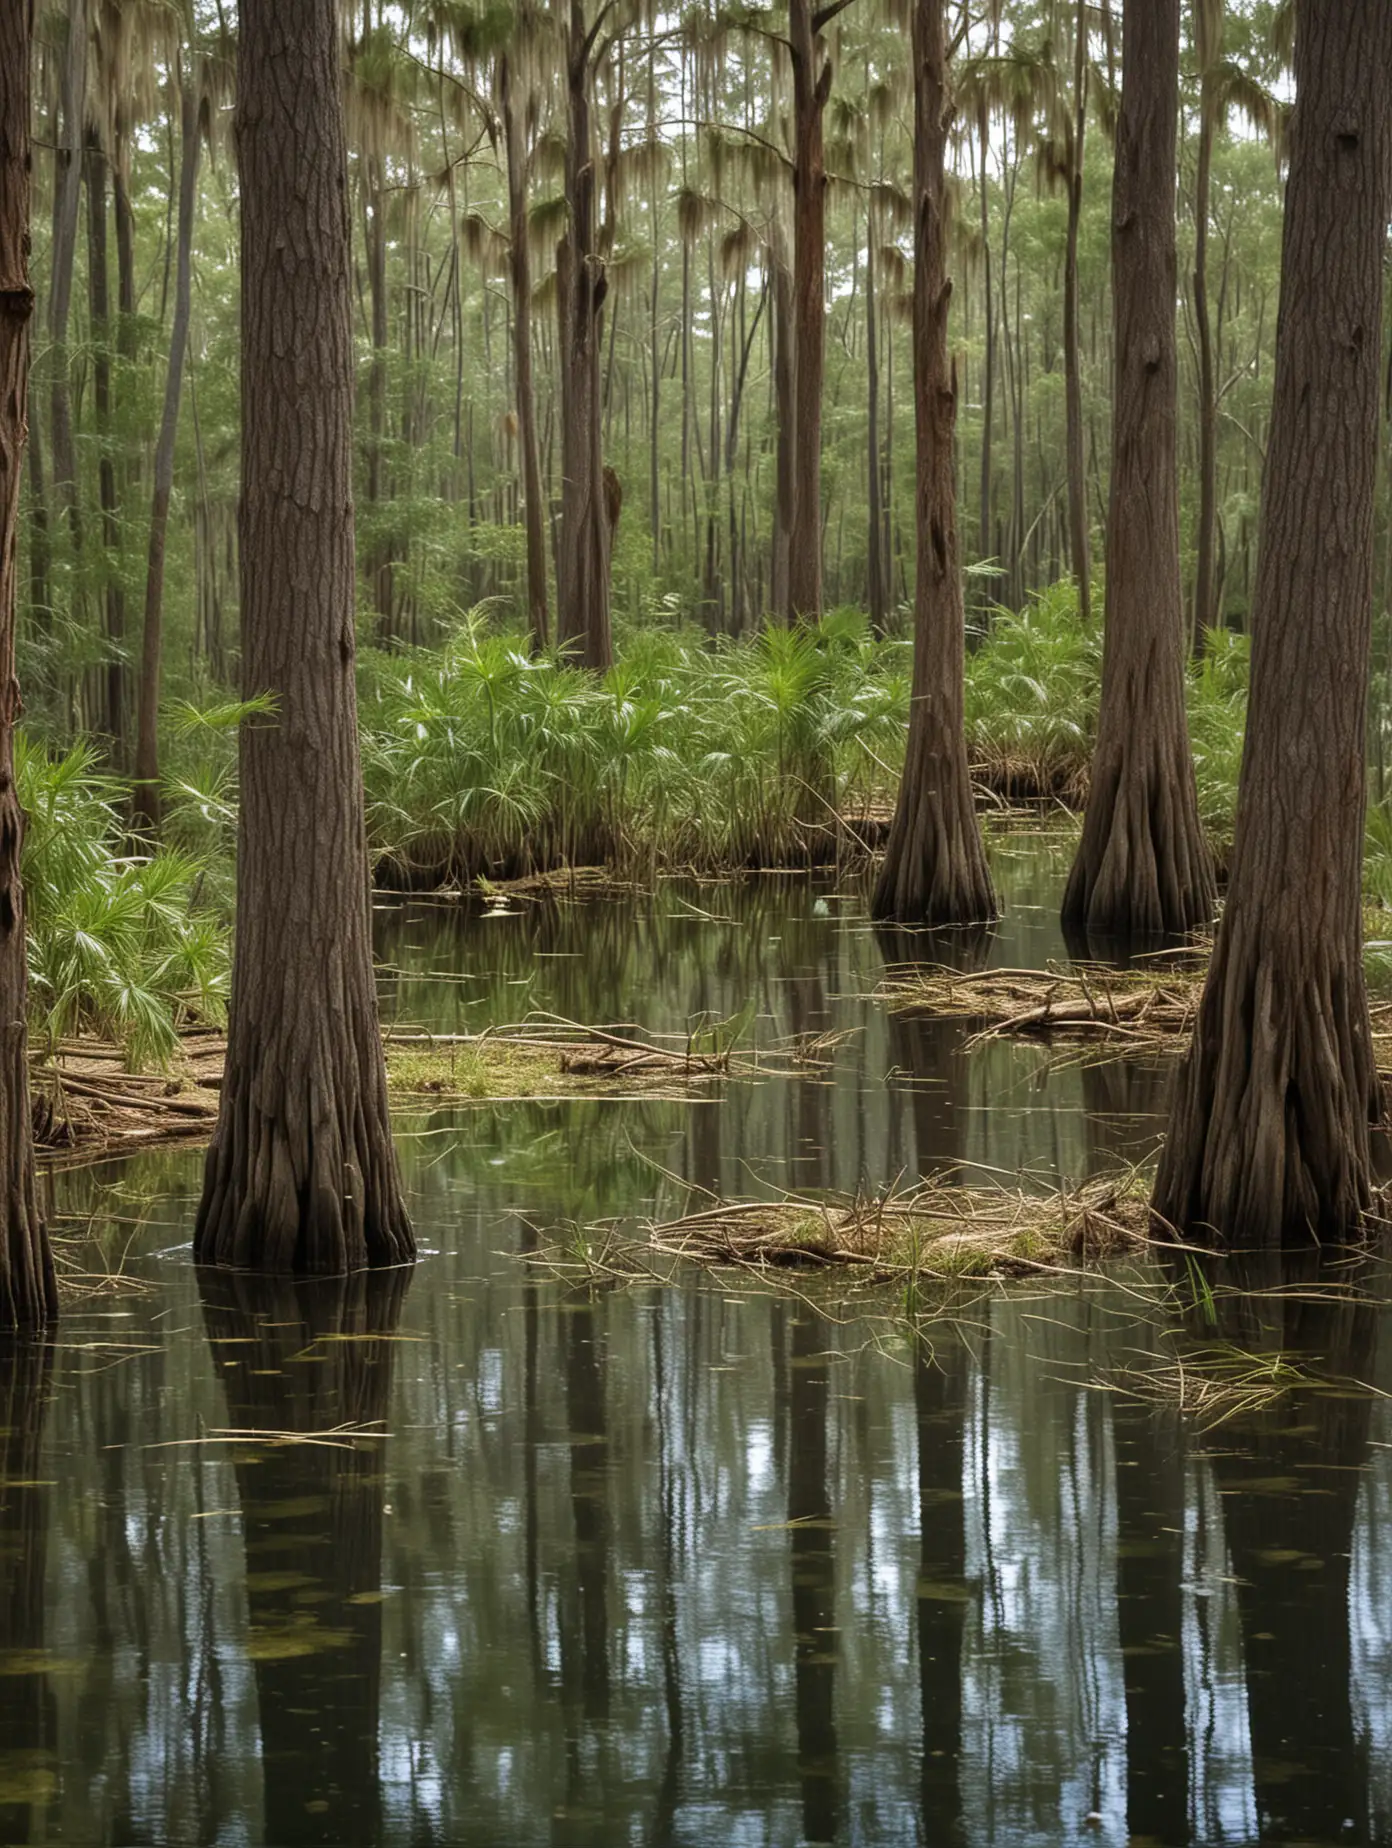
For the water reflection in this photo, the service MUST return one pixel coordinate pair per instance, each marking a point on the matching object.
(698, 1564)
(941, 1594)
(801, 1385)
(1290, 1476)
(898, 1099)
(28, 1728)
(686, 1566)
(311, 1361)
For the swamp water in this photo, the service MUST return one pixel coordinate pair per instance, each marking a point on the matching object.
(704, 1564)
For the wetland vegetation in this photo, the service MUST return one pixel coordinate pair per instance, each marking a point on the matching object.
(694, 887)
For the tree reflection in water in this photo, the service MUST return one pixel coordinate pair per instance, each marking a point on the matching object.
(1289, 1475)
(28, 1733)
(309, 1357)
(802, 1383)
(940, 1373)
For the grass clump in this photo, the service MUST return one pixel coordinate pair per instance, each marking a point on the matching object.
(121, 945)
(481, 762)
(1033, 684)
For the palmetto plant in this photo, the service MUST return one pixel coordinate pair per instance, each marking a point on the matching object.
(483, 760)
(118, 945)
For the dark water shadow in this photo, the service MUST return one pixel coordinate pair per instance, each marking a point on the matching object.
(29, 1766)
(1289, 1473)
(312, 1359)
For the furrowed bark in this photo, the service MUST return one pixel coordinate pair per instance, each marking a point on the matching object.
(1270, 1134)
(1078, 533)
(1143, 869)
(519, 257)
(811, 88)
(582, 576)
(934, 868)
(28, 1290)
(301, 1175)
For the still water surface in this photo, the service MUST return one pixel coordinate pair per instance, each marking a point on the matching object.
(704, 1564)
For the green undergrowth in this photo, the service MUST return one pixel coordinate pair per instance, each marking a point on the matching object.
(121, 943)
(481, 761)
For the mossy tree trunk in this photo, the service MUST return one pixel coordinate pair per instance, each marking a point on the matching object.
(301, 1175)
(1143, 869)
(1269, 1138)
(28, 1293)
(935, 868)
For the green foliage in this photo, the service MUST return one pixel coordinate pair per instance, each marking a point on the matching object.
(1033, 682)
(1217, 723)
(480, 760)
(119, 945)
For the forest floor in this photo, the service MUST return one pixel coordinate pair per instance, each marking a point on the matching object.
(87, 1105)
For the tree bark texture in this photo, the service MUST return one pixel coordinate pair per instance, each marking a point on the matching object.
(934, 868)
(1143, 869)
(1205, 614)
(582, 587)
(1269, 1138)
(519, 257)
(147, 789)
(874, 549)
(113, 705)
(1078, 533)
(301, 1175)
(28, 1291)
(379, 564)
(811, 88)
(785, 434)
(67, 200)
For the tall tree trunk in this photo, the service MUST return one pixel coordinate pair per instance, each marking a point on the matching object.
(379, 564)
(533, 508)
(655, 356)
(146, 793)
(875, 584)
(582, 579)
(301, 1175)
(1072, 359)
(1269, 1137)
(934, 868)
(28, 1292)
(99, 301)
(67, 199)
(988, 387)
(1205, 614)
(785, 434)
(1143, 868)
(811, 88)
